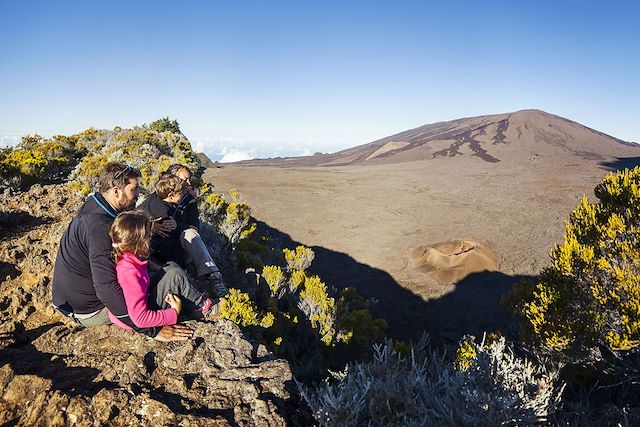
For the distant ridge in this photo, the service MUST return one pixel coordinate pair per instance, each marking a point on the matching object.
(520, 136)
(205, 161)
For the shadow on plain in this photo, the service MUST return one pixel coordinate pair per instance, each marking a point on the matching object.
(471, 307)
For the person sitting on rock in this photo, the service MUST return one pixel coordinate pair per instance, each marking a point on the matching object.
(150, 306)
(85, 286)
(173, 201)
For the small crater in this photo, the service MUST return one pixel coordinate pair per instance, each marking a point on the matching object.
(452, 260)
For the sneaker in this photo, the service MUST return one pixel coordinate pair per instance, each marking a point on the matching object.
(215, 311)
(218, 286)
(210, 309)
(205, 306)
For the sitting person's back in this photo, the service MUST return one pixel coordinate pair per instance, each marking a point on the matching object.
(84, 279)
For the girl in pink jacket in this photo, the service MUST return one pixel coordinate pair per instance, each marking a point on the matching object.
(149, 305)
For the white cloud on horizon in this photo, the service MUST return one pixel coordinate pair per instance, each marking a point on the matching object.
(9, 140)
(235, 156)
(226, 150)
(234, 149)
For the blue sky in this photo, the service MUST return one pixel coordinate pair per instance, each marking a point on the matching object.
(269, 78)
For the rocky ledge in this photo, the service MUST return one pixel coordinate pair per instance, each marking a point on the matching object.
(53, 372)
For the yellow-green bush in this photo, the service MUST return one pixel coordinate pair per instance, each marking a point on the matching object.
(150, 149)
(319, 308)
(465, 354)
(36, 159)
(299, 259)
(590, 293)
(232, 219)
(305, 296)
(274, 277)
(241, 310)
(297, 278)
(211, 204)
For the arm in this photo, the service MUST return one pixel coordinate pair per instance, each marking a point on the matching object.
(158, 210)
(103, 274)
(189, 210)
(135, 283)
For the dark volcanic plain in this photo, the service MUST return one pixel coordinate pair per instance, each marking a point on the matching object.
(437, 222)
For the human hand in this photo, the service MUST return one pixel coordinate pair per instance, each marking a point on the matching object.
(170, 224)
(174, 333)
(174, 302)
(162, 227)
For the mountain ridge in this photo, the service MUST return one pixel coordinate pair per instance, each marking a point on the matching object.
(516, 136)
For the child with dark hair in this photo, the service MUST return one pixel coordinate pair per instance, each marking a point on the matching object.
(150, 306)
(161, 205)
(174, 200)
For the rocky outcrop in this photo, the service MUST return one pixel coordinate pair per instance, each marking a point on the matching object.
(52, 372)
(59, 374)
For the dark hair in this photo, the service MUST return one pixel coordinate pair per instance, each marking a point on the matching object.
(167, 185)
(176, 167)
(116, 175)
(131, 232)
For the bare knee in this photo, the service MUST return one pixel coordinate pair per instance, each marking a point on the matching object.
(190, 234)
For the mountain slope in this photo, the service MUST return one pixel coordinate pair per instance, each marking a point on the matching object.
(520, 136)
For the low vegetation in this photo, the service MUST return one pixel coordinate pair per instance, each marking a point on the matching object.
(491, 387)
(36, 159)
(149, 150)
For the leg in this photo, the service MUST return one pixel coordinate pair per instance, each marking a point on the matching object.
(171, 279)
(100, 318)
(197, 253)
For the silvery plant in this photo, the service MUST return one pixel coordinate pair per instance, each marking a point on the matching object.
(425, 388)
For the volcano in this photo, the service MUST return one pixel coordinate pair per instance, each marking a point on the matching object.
(521, 136)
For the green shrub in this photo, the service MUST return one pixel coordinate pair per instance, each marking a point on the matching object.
(312, 329)
(37, 160)
(165, 125)
(589, 295)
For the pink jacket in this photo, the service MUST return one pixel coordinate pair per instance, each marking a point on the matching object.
(134, 281)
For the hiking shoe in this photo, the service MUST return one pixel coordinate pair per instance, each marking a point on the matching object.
(211, 309)
(218, 286)
(215, 311)
(205, 306)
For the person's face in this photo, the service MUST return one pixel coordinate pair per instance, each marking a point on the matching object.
(185, 176)
(126, 197)
(174, 197)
